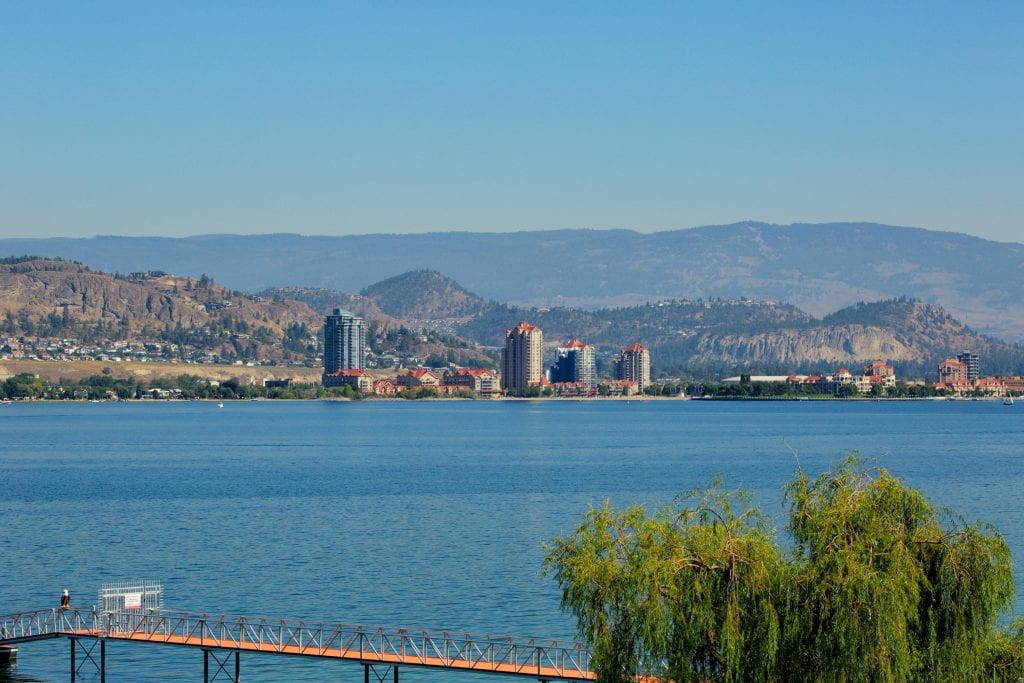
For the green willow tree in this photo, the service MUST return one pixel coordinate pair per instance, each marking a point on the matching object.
(884, 591)
(875, 585)
(683, 596)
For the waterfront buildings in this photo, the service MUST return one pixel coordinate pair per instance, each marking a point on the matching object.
(344, 343)
(877, 373)
(356, 378)
(972, 362)
(418, 378)
(480, 381)
(959, 376)
(522, 357)
(953, 373)
(574, 363)
(634, 364)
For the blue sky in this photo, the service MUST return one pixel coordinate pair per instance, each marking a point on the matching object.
(181, 118)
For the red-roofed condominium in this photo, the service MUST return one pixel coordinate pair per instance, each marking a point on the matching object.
(522, 359)
(634, 364)
(574, 364)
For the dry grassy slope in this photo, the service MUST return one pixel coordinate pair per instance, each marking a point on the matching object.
(54, 371)
(44, 287)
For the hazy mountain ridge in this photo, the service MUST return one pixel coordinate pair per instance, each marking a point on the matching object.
(819, 268)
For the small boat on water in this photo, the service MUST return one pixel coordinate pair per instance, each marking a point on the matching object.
(220, 404)
(1008, 400)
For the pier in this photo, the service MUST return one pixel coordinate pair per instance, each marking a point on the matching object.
(381, 651)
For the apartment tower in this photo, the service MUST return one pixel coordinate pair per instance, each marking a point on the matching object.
(574, 362)
(344, 342)
(634, 365)
(521, 360)
(973, 363)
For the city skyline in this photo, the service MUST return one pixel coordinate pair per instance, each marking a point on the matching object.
(195, 119)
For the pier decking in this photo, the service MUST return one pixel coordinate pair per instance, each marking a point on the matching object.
(370, 646)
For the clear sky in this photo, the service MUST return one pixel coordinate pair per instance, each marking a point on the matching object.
(181, 118)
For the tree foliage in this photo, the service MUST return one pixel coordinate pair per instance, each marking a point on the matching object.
(874, 584)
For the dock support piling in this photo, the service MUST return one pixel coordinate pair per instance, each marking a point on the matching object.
(380, 677)
(88, 656)
(221, 665)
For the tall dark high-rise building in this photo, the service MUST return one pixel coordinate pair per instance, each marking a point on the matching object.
(973, 363)
(574, 362)
(344, 342)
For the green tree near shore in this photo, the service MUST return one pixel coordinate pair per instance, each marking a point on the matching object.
(874, 584)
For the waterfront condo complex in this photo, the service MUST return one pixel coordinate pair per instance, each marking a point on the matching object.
(522, 358)
(344, 344)
(634, 364)
(574, 364)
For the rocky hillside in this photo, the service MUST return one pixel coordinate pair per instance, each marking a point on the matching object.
(323, 301)
(710, 336)
(426, 315)
(425, 295)
(61, 299)
(429, 339)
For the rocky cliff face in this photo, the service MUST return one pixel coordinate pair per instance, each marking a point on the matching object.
(42, 287)
(826, 345)
(899, 331)
(93, 296)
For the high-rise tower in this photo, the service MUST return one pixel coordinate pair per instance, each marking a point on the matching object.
(344, 342)
(634, 364)
(574, 362)
(521, 360)
(973, 363)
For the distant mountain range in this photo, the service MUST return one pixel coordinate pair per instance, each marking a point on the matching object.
(817, 268)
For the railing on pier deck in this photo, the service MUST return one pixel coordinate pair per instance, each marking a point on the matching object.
(49, 623)
(540, 659)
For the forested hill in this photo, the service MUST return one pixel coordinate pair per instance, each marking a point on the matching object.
(424, 294)
(818, 268)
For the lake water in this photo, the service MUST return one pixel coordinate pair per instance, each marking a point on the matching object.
(413, 514)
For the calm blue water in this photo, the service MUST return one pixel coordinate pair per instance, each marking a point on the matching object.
(414, 514)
